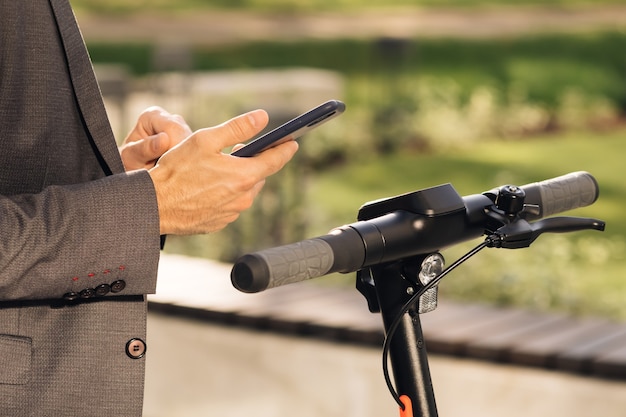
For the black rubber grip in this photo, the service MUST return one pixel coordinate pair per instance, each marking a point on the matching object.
(340, 251)
(282, 265)
(567, 192)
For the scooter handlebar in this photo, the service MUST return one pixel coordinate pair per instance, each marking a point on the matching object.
(350, 247)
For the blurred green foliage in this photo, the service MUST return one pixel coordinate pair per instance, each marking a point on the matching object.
(543, 65)
(427, 93)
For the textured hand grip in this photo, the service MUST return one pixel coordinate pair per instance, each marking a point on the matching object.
(282, 265)
(567, 192)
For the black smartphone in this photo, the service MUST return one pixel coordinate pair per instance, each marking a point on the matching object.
(294, 128)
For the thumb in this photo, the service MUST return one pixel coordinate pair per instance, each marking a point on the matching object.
(239, 129)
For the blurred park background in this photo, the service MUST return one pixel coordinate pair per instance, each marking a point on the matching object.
(477, 93)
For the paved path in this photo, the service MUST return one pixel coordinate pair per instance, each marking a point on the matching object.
(195, 369)
(518, 337)
(212, 28)
(218, 366)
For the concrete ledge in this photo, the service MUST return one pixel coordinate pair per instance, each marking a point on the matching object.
(201, 289)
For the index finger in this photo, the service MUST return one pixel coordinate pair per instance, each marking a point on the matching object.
(238, 129)
(159, 121)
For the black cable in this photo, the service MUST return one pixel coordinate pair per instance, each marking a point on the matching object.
(405, 308)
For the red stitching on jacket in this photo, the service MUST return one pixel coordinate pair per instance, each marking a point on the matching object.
(121, 268)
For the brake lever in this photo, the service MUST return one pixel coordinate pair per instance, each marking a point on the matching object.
(521, 234)
(568, 224)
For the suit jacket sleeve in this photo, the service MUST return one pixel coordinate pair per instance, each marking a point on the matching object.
(75, 237)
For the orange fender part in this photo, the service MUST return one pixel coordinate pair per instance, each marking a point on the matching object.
(408, 407)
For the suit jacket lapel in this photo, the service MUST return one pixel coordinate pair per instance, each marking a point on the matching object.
(86, 87)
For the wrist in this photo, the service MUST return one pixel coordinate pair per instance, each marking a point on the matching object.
(160, 179)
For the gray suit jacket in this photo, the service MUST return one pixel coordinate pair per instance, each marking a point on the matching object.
(79, 237)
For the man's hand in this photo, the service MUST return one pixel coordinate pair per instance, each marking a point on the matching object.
(200, 189)
(155, 133)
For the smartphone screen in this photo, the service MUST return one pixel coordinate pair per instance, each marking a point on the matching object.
(294, 128)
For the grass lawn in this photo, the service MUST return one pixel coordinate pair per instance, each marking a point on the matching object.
(339, 192)
(579, 273)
